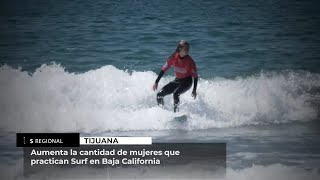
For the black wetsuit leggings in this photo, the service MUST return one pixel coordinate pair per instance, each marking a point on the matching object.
(177, 87)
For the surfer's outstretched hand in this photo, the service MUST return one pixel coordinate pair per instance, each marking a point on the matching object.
(155, 86)
(194, 94)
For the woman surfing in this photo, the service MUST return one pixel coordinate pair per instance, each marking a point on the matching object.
(185, 71)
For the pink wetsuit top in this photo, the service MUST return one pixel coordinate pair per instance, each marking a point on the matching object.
(183, 67)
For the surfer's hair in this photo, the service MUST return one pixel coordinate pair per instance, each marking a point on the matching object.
(181, 44)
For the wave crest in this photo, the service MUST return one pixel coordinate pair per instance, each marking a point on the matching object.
(106, 99)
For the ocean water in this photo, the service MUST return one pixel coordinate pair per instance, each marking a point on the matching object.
(89, 66)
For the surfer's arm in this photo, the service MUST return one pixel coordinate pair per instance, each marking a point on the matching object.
(164, 68)
(159, 76)
(194, 91)
(194, 75)
(195, 78)
(195, 83)
(155, 86)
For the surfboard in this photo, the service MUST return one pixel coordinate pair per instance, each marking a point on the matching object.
(180, 118)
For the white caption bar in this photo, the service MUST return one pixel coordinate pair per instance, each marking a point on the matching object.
(115, 140)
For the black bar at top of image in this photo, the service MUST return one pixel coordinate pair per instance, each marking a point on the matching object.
(48, 139)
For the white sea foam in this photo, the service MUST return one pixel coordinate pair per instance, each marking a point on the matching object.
(107, 99)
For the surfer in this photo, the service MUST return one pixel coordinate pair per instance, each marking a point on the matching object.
(185, 70)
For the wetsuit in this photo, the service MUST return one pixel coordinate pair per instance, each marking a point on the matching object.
(184, 68)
